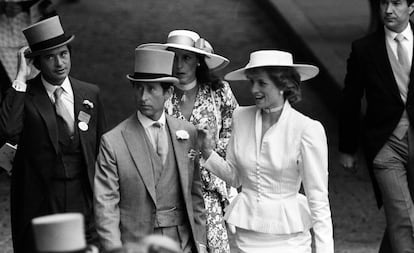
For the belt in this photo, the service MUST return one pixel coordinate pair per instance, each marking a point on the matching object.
(170, 217)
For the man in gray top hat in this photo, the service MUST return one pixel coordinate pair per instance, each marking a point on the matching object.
(147, 178)
(59, 121)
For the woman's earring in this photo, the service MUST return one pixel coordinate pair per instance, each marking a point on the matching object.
(281, 92)
(198, 64)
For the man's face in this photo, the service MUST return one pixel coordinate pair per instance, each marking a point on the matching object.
(150, 98)
(55, 65)
(395, 14)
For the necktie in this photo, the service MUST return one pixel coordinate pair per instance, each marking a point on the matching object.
(161, 142)
(62, 111)
(402, 53)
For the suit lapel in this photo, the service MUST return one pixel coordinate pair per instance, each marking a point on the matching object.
(180, 148)
(378, 54)
(45, 107)
(134, 137)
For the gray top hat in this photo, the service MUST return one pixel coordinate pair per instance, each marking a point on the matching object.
(153, 65)
(45, 35)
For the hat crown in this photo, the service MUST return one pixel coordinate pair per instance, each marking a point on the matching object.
(183, 37)
(270, 58)
(44, 30)
(153, 61)
(59, 232)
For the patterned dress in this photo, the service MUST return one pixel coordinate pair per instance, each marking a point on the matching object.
(213, 109)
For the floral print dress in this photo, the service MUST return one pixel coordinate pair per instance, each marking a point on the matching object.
(213, 109)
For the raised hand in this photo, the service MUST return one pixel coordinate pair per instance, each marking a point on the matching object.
(24, 66)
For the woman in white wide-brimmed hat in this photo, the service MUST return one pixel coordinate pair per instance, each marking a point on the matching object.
(206, 101)
(272, 151)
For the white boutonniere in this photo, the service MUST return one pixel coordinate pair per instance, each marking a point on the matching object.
(182, 135)
(88, 104)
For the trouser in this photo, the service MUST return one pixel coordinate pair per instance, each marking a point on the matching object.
(392, 170)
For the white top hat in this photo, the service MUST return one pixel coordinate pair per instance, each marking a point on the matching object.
(45, 35)
(152, 65)
(273, 58)
(59, 232)
(191, 41)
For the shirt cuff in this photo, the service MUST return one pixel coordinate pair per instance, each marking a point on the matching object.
(19, 86)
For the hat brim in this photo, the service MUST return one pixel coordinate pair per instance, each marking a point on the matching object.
(30, 54)
(172, 80)
(305, 71)
(213, 61)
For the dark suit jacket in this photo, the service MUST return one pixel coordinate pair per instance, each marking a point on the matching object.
(369, 73)
(31, 115)
(124, 194)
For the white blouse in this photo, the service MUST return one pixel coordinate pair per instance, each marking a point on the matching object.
(292, 151)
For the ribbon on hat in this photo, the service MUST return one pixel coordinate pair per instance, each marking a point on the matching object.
(204, 45)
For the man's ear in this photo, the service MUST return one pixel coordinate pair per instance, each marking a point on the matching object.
(168, 93)
(411, 8)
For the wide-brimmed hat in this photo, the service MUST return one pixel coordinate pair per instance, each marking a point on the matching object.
(153, 65)
(45, 35)
(191, 41)
(59, 232)
(273, 58)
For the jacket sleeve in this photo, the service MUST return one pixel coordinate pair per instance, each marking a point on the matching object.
(314, 171)
(107, 197)
(12, 114)
(350, 105)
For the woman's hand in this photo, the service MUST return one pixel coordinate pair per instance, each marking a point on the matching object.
(205, 142)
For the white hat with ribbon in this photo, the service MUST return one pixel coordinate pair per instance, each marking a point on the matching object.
(273, 58)
(191, 41)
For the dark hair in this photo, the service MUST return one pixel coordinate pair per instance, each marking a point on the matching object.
(204, 75)
(286, 79)
(36, 59)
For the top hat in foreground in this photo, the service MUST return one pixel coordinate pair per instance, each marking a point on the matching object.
(152, 65)
(45, 35)
(59, 233)
(191, 41)
(273, 58)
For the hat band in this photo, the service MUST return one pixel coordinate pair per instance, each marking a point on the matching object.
(141, 75)
(48, 43)
(182, 40)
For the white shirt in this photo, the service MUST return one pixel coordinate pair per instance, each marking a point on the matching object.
(149, 127)
(67, 95)
(407, 43)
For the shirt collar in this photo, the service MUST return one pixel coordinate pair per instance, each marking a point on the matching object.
(147, 122)
(407, 32)
(51, 88)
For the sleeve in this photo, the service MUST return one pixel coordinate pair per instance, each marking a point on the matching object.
(314, 171)
(200, 218)
(228, 105)
(350, 105)
(107, 197)
(226, 169)
(12, 114)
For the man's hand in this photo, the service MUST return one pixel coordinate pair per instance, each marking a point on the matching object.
(349, 162)
(24, 66)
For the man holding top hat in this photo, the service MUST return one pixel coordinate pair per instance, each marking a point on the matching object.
(147, 178)
(59, 121)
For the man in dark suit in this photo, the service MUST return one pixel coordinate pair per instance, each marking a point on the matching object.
(380, 67)
(59, 121)
(147, 176)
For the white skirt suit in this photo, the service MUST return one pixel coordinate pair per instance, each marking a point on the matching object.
(270, 207)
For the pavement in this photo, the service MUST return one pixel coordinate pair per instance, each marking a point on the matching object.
(327, 28)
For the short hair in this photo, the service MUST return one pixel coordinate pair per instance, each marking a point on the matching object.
(286, 79)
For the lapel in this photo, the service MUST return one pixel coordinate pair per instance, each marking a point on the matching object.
(180, 149)
(45, 107)
(379, 58)
(134, 137)
(411, 82)
(79, 94)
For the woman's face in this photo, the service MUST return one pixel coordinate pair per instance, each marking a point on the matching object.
(264, 90)
(185, 65)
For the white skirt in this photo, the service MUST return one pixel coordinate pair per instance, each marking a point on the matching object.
(249, 241)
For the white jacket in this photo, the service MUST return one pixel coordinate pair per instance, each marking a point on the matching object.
(293, 151)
